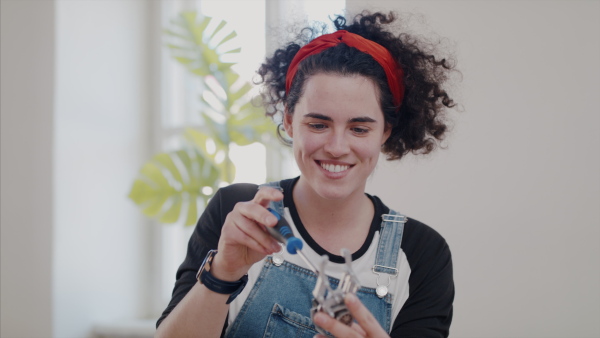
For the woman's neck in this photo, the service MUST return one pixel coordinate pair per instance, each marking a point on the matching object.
(334, 223)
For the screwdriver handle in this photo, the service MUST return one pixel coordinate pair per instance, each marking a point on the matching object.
(282, 232)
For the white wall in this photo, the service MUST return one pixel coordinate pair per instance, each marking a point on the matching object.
(27, 68)
(517, 192)
(103, 106)
(75, 112)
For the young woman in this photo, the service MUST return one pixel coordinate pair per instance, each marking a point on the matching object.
(344, 98)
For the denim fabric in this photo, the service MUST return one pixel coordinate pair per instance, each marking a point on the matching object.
(390, 239)
(279, 304)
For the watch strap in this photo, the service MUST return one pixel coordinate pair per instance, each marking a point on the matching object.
(220, 286)
(223, 287)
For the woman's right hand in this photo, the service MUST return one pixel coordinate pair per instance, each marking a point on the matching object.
(244, 239)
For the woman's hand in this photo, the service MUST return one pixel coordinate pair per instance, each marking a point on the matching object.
(367, 325)
(244, 239)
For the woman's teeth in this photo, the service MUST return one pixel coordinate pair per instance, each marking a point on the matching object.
(334, 168)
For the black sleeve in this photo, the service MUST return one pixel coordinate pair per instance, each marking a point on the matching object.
(428, 310)
(206, 237)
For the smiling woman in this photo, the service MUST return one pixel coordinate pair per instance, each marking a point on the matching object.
(344, 98)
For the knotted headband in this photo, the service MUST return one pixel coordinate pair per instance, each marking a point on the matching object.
(391, 68)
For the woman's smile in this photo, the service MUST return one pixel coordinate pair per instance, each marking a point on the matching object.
(333, 168)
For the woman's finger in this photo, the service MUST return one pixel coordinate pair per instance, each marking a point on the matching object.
(256, 209)
(333, 326)
(256, 238)
(245, 231)
(256, 212)
(358, 329)
(267, 194)
(367, 322)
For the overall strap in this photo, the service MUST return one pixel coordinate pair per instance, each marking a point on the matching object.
(275, 205)
(390, 238)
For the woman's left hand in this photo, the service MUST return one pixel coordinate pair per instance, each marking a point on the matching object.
(367, 325)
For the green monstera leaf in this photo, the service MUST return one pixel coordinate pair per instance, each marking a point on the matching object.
(217, 156)
(195, 48)
(172, 185)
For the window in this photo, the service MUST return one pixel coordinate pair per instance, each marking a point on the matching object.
(179, 104)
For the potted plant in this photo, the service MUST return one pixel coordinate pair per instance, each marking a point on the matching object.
(173, 184)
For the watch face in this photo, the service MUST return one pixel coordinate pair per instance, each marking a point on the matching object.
(206, 264)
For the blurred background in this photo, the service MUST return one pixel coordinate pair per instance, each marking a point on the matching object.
(92, 91)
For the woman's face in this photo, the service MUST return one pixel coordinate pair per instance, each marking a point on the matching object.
(337, 130)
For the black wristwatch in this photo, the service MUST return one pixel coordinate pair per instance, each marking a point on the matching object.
(216, 285)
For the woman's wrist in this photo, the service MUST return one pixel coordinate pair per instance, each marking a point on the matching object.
(219, 271)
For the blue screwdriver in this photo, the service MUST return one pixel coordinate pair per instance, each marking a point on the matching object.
(282, 232)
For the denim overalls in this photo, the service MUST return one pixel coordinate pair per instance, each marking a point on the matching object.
(279, 303)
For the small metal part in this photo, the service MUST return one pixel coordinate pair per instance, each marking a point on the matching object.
(394, 218)
(278, 257)
(306, 260)
(393, 272)
(277, 260)
(331, 301)
(381, 291)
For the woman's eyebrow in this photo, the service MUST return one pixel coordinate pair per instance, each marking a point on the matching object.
(318, 116)
(361, 119)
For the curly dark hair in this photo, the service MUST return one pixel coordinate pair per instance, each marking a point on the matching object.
(420, 123)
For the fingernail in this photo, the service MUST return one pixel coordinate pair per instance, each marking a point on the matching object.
(276, 247)
(270, 219)
(351, 298)
(320, 318)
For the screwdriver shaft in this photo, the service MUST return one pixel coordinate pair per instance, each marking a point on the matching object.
(307, 261)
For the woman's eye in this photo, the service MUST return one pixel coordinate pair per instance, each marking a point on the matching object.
(317, 126)
(361, 131)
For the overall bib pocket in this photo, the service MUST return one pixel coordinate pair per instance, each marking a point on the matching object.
(286, 323)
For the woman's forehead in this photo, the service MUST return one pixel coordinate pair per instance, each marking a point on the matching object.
(341, 94)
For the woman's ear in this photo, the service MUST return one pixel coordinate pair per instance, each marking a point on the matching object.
(287, 123)
(387, 131)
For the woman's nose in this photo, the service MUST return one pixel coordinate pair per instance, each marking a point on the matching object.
(337, 145)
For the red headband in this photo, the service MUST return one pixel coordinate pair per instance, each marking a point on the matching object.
(392, 70)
